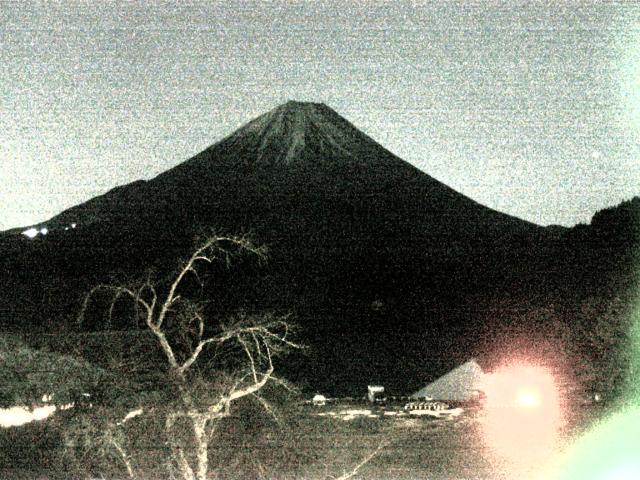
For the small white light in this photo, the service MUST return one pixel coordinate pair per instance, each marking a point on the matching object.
(73, 225)
(31, 233)
(16, 416)
(44, 230)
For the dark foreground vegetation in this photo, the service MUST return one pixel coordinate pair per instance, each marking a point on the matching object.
(296, 443)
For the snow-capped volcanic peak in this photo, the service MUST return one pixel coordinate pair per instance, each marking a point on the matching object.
(288, 133)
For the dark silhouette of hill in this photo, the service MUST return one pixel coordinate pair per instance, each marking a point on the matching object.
(386, 269)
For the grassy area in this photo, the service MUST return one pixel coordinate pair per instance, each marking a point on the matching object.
(300, 445)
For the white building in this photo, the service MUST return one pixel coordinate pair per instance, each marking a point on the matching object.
(319, 400)
(374, 392)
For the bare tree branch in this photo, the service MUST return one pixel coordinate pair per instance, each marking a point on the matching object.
(178, 453)
(254, 372)
(365, 460)
(121, 452)
(255, 338)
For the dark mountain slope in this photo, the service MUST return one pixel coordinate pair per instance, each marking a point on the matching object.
(296, 148)
(301, 173)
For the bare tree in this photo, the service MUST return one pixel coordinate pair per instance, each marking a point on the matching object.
(201, 350)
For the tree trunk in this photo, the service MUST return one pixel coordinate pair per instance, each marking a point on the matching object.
(178, 454)
(202, 446)
(123, 456)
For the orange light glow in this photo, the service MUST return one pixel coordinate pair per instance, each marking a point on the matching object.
(522, 413)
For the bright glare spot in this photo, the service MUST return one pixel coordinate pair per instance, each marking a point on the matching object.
(44, 230)
(16, 416)
(31, 233)
(522, 414)
(528, 398)
(73, 225)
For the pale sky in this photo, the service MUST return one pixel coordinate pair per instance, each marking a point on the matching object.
(531, 110)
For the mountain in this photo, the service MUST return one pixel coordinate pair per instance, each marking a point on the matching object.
(385, 268)
(298, 148)
(298, 173)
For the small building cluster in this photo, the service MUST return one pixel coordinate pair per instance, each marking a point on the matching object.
(428, 405)
(460, 386)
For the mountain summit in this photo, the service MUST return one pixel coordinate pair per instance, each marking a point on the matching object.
(297, 135)
(295, 130)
